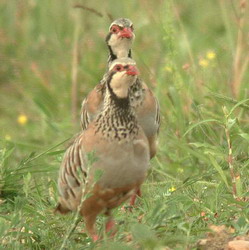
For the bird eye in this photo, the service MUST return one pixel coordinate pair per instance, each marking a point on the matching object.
(114, 29)
(119, 67)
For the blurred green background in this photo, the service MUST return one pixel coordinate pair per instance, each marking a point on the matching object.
(193, 54)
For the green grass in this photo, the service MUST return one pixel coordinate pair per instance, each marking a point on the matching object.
(204, 112)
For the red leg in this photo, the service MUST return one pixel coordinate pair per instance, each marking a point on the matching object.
(110, 224)
(134, 196)
(139, 193)
(95, 237)
(110, 227)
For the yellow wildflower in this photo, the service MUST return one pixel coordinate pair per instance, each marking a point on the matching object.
(22, 119)
(167, 68)
(180, 170)
(203, 63)
(7, 137)
(172, 189)
(210, 55)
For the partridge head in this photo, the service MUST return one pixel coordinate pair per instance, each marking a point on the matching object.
(119, 39)
(122, 75)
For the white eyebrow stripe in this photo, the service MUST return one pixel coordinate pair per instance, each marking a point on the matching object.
(120, 25)
(123, 64)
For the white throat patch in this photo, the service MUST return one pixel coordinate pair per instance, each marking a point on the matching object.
(120, 46)
(121, 83)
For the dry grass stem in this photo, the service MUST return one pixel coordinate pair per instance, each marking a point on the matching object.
(238, 57)
(74, 71)
(97, 13)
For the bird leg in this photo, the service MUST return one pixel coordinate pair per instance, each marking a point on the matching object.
(134, 196)
(95, 237)
(110, 225)
(137, 192)
(89, 211)
(90, 227)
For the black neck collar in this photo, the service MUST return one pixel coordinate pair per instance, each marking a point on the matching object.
(112, 56)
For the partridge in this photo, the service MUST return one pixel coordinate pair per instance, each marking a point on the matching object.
(113, 147)
(119, 41)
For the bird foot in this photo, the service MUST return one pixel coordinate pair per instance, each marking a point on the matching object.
(126, 208)
(95, 237)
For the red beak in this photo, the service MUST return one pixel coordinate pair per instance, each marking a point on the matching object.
(125, 33)
(132, 71)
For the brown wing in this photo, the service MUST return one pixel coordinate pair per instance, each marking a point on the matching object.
(158, 116)
(149, 117)
(91, 105)
(150, 106)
